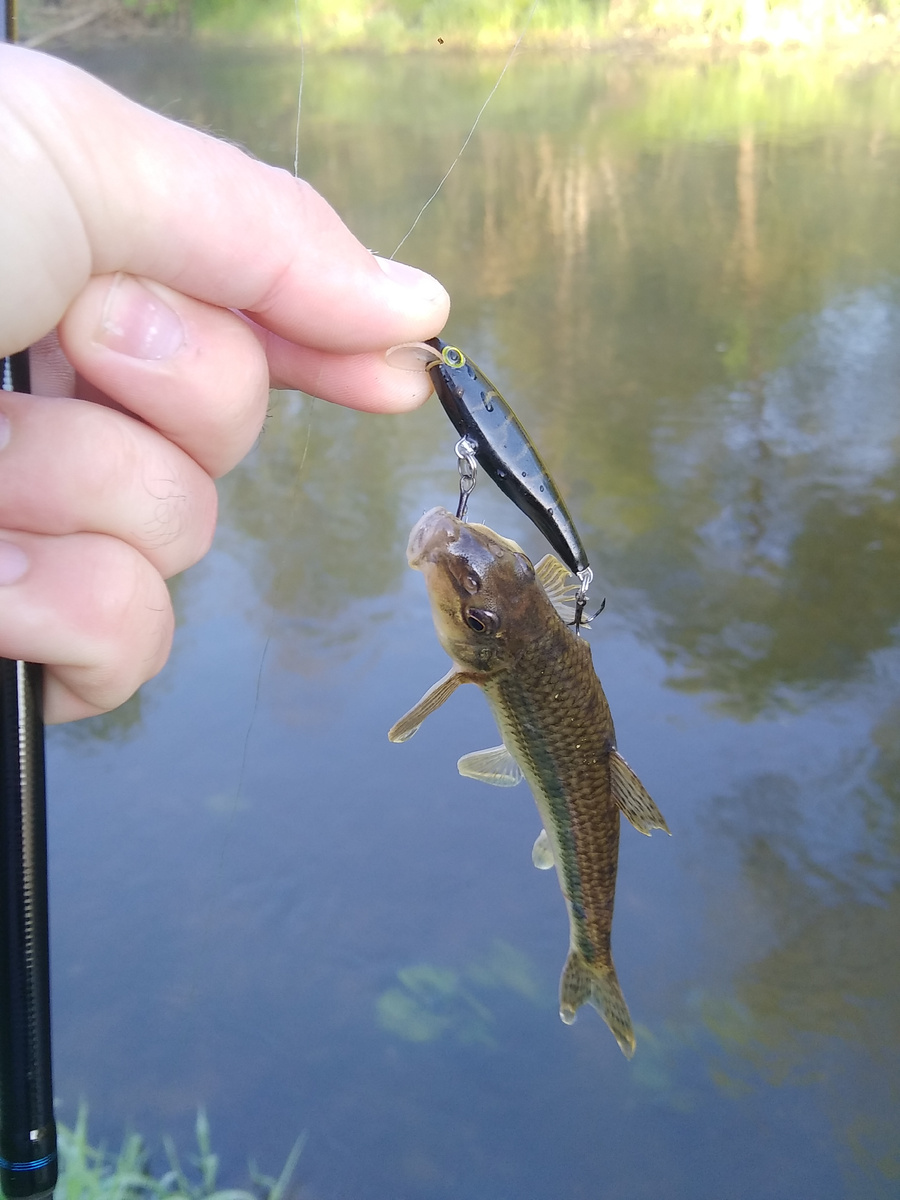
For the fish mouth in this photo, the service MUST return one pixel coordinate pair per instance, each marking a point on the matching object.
(438, 536)
(434, 532)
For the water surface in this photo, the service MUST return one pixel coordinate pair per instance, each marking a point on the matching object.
(687, 279)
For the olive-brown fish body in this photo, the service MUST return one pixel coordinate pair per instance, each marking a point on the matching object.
(556, 723)
(499, 620)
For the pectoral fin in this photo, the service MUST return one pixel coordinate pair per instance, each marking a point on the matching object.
(542, 852)
(496, 766)
(433, 699)
(632, 797)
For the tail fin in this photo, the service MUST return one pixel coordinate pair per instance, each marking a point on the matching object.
(582, 984)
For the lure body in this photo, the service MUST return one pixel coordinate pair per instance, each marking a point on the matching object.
(503, 449)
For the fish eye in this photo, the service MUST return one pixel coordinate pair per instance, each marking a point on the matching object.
(453, 357)
(481, 620)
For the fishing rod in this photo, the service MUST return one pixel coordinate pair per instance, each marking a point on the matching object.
(28, 1158)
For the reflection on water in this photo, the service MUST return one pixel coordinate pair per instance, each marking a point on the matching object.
(686, 280)
(432, 1002)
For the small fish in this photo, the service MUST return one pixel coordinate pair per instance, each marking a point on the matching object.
(504, 624)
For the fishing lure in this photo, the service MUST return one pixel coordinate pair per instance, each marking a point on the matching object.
(493, 437)
(503, 449)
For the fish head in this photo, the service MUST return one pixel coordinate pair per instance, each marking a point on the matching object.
(484, 596)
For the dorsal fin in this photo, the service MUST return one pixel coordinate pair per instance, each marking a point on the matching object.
(561, 586)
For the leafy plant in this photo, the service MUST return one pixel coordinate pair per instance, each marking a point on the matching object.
(91, 1173)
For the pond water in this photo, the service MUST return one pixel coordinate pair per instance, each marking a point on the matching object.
(687, 280)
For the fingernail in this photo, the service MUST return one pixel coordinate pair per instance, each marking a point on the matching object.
(5, 430)
(13, 563)
(412, 279)
(411, 356)
(138, 323)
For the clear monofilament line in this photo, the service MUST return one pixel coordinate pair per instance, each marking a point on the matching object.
(471, 132)
(299, 88)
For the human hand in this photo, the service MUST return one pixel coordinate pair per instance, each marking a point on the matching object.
(183, 279)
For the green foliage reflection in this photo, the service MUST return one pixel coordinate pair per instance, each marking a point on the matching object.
(436, 1002)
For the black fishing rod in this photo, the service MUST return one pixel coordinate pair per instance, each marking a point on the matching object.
(28, 1161)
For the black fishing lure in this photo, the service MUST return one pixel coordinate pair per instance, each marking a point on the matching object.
(503, 449)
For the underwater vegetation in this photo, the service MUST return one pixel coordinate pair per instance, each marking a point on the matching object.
(91, 1173)
(435, 1002)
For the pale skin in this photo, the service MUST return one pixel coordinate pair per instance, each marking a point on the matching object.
(170, 279)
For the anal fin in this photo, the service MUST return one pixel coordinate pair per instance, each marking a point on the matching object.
(542, 853)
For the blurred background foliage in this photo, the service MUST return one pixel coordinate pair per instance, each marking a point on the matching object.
(396, 26)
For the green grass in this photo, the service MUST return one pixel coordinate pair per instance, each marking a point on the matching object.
(91, 1173)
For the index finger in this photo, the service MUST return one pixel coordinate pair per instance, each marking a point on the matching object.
(94, 184)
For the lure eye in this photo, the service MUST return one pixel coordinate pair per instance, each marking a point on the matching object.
(453, 357)
(481, 620)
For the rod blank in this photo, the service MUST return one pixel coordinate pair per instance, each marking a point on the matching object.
(28, 1157)
(28, 1165)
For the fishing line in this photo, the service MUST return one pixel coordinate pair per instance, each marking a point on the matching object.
(192, 986)
(240, 782)
(309, 425)
(299, 24)
(471, 132)
(235, 806)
